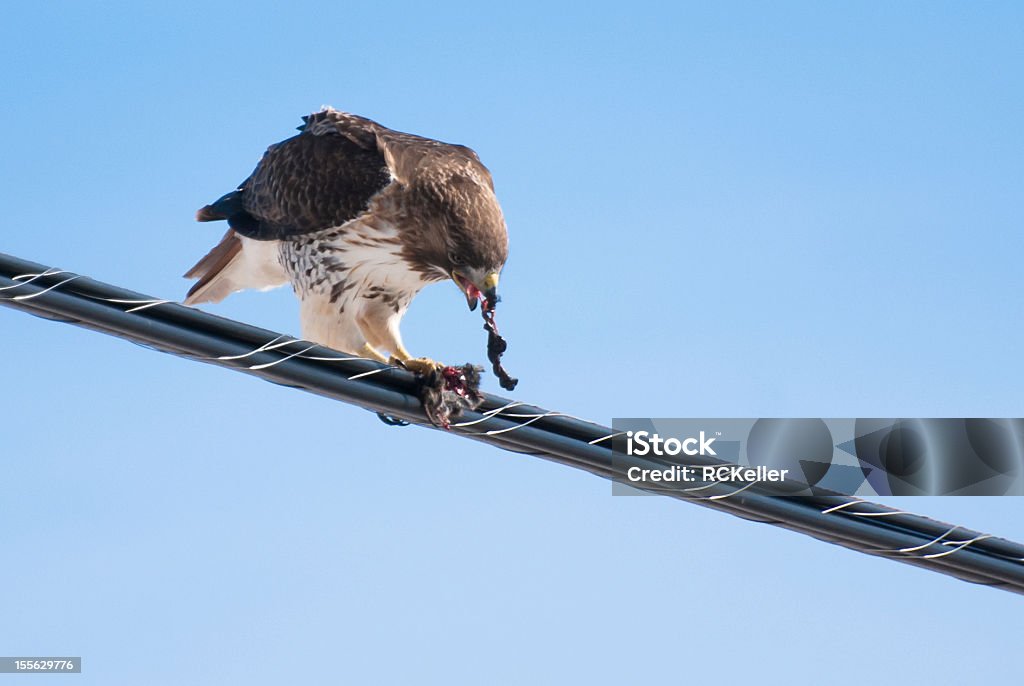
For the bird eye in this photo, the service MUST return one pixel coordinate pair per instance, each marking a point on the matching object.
(455, 259)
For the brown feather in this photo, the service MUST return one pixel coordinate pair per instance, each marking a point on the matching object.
(207, 269)
(208, 214)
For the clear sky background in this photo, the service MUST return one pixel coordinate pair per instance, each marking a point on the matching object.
(716, 209)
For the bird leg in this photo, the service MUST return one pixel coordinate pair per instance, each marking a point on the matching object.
(371, 353)
(417, 365)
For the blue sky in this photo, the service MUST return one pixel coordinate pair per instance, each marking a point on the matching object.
(737, 210)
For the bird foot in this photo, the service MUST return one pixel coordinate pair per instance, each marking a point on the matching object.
(418, 365)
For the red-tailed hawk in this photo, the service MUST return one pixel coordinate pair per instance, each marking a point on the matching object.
(357, 218)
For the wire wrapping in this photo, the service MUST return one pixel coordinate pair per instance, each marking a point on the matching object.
(169, 327)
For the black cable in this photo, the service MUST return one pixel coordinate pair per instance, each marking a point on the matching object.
(392, 393)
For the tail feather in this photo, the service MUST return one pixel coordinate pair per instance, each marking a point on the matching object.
(237, 262)
(234, 264)
(214, 284)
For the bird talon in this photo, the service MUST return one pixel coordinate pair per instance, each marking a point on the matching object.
(417, 365)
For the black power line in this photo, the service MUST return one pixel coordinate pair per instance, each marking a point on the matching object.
(169, 327)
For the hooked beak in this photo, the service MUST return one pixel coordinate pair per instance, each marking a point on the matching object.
(490, 289)
(487, 290)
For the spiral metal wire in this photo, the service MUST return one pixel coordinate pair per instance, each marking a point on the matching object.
(169, 327)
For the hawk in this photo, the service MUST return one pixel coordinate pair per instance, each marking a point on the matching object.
(357, 218)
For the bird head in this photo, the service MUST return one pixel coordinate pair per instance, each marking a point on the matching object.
(462, 234)
(476, 254)
(475, 238)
